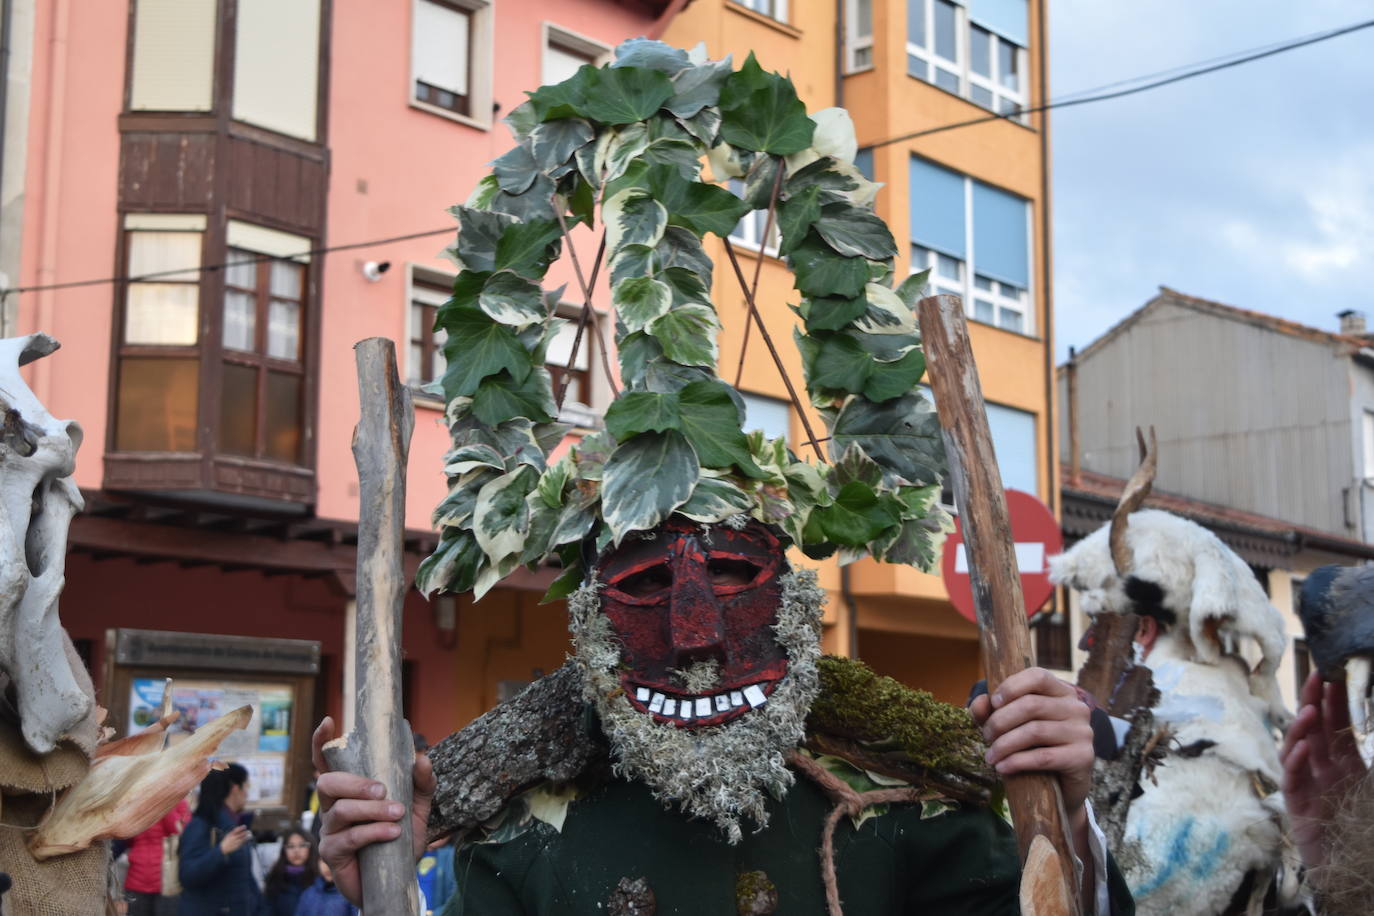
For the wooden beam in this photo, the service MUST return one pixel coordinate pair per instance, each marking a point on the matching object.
(131, 539)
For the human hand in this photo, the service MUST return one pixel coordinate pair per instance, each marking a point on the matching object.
(1320, 761)
(354, 813)
(1034, 721)
(233, 840)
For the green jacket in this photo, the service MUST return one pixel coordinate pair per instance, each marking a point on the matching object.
(962, 861)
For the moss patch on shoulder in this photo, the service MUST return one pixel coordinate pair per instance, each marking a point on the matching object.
(885, 716)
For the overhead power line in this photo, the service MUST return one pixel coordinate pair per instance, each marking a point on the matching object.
(1099, 95)
(1086, 97)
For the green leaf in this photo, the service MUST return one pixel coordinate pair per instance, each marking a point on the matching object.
(636, 352)
(836, 186)
(912, 287)
(632, 217)
(501, 518)
(553, 480)
(854, 466)
(681, 248)
(582, 204)
(456, 509)
(704, 125)
(553, 143)
(699, 206)
(711, 422)
(624, 95)
(714, 500)
(832, 312)
(568, 581)
(645, 479)
(527, 247)
(534, 204)
(573, 524)
(821, 272)
(635, 412)
(688, 335)
(479, 232)
(481, 196)
(886, 314)
(470, 457)
(543, 521)
(633, 261)
(760, 111)
(476, 348)
(516, 170)
(894, 379)
(759, 181)
(502, 397)
(453, 565)
(654, 55)
(902, 435)
(563, 100)
(521, 121)
(684, 158)
(619, 151)
(686, 286)
(512, 300)
(855, 231)
(795, 217)
(698, 88)
(856, 517)
(639, 300)
(839, 363)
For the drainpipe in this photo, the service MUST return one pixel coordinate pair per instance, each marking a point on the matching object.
(1045, 260)
(55, 114)
(1071, 412)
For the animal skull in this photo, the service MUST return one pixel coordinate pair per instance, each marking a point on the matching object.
(37, 501)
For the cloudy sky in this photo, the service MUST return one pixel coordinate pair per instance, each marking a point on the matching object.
(1253, 186)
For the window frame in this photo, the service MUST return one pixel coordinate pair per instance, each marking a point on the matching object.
(777, 10)
(966, 287)
(479, 64)
(748, 230)
(422, 282)
(962, 69)
(573, 43)
(855, 43)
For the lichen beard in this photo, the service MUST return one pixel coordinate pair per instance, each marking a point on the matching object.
(717, 772)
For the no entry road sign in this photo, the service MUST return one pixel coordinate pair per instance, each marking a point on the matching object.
(1037, 537)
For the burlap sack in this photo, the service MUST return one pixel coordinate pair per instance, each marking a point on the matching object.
(71, 885)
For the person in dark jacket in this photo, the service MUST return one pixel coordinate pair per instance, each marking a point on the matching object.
(216, 851)
(295, 870)
(323, 898)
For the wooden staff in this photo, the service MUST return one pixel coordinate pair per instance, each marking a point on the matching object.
(1049, 883)
(380, 745)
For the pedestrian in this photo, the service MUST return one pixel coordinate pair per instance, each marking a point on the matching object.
(323, 898)
(143, 887)
(216, 851)
(295, 870)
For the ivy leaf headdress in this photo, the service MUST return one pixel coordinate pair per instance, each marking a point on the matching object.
(628, 140)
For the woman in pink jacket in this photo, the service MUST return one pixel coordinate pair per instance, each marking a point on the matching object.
(143, 885)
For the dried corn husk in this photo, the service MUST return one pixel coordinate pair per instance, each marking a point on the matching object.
(131, 785)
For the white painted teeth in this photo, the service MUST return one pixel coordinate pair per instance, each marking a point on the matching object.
(642, 694)
(755, 696)
(685, 712)
(670, 707)
(703, 707)
(736, 698)
(687, 708)
(722, 703)
(656, 704)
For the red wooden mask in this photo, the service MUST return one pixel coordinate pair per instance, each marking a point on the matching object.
(687, 597)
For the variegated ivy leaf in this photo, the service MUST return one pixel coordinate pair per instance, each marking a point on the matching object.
(807, 485)
(534, 203)
(481, 196)
(902, 435)
(511, 299)
(501, 518)
(856, 517)
(698, 206)
(834, 135)
(526, 247)
(819, 271)
(633, 261)
(830, 313)
(645, 479)
(681, 156)
(714, 500)
(688, 335)
(885, 313)
(916, 542)
(617, 150)
(640, 300)
(515, 170)
(912, 288)
(796, 215)
(553, 480)
(479, 232)
(704, 125)
(522, 120)
(698, 88)
(590, 456)
(574, 523)
(632, 217)
(489, 575)
(761, 111)
(624, 95)
(456, 509)
(461, 460)
(724, 162)
(711, 422)
(453, 565)
(681, 248)
(759, 181)
(686, 286)
(543, 521)
(477, 348)
(635, 412)
(501, 397)
(553, 143)
(636, 351)
(855, 232)
(654, 55)
(854, 465)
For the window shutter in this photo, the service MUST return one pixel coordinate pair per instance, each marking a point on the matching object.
(937, 208)
(277, 65)
(440, 44)
(1008, 18)
(174, 56)
(1001, 249)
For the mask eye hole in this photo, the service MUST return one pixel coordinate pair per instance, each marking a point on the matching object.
(647, 582)
(731, 571)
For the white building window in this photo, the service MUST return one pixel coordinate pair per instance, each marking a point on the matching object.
(749, 231)
(974, 48)
(425, 357)
(162, 307)
(1368, 445)
(858, 33)
(773, 9)
(566, 52)
(976, 241)
(1013, 441)
(771, 416)
(450, 59)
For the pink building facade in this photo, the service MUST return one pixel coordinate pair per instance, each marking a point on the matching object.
(207, 163)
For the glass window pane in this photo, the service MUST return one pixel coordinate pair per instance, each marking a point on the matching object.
(166, 314)
(560, 348)
(284, 330)
(286, 279)
(240, 320)
(983, 311)
(440, 45)
(1011, 292)
(157, 405)
(561, 63)
(863, 27)
(1001, 239)
(920, 258)
(946, 32)
(1010, 319)
(946, 79)
(415, 368)
(916, 22)
(980, 51)
(242, 270)
(917, 67)
(238, 410)
(982, 282)
(1013, 439)
(1008, 107)
(1007, 72)
(863, 57)
(284, 417)
(170, 255)
(980, 95)
(772, 416)
(949, 267)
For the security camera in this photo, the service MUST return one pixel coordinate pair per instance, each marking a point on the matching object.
(373, 270)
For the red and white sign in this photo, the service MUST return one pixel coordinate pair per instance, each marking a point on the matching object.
(1038, 537)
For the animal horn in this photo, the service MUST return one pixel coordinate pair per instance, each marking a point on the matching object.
(1137, 488)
